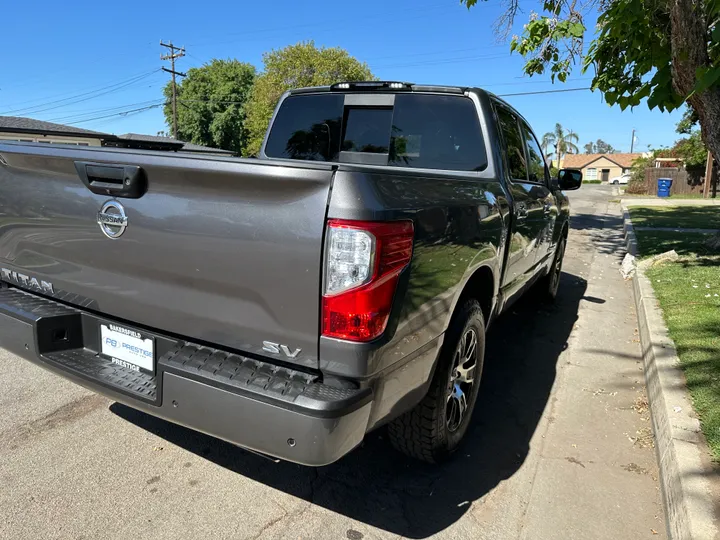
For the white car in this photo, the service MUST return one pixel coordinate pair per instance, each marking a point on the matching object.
(622, 179)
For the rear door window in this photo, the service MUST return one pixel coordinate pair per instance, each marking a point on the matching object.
(421, 130)
(436, 132)
(307, 127)
(536, 161)
(514, 144)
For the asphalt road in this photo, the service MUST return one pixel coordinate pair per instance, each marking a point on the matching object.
(560, 445)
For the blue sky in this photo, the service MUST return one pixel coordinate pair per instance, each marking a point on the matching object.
(92, 60)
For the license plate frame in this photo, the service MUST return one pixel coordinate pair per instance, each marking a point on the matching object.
(127, 347)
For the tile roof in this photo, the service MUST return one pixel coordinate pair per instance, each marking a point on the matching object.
(579, 161)
(19, 124)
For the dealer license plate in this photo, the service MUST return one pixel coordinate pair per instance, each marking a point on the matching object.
(128, 348)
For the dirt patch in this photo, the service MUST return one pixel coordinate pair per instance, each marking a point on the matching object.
(641, 404)
(60, 417)
(634, 467)
(644, 438)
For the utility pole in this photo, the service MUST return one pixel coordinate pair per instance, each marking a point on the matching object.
(632, 142)
(175, 52)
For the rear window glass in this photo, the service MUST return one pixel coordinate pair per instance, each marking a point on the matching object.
(367, 129)
(421, 130)
(307, 128)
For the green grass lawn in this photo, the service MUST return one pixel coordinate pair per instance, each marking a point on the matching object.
(689, 294)
(673, 196)
(655, 242)
(691, 217)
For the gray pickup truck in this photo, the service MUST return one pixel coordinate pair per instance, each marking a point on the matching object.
(288, 304)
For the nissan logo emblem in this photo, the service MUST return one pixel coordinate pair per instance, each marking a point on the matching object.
(112, 219)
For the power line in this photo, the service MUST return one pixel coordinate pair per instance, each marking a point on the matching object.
(79, 98)
(559, 90)
(156, 105)
(545, 92)
(124, 113)
(440, 61)
(78, 115)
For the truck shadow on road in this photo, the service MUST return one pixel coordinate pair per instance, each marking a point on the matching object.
(376, 485)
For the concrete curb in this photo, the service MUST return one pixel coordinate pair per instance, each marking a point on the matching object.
(683, 455)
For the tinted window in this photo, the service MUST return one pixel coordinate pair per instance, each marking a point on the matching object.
(421, 130)
(436, 132)
(307, 127)
(367, 130)
(513, 143)
(536, 162)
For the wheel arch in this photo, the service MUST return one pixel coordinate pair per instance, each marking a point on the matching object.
(481, 285)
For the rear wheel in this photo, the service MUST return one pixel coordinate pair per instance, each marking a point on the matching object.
(436, 426)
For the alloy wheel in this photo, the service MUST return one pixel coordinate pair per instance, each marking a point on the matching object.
(462, 379)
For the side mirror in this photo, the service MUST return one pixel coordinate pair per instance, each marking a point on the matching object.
(569, 179)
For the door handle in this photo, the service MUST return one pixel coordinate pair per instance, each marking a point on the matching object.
(116, 180)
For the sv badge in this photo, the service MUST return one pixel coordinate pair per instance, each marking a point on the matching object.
(277, 348)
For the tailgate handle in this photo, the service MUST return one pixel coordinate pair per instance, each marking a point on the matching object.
(117, 180)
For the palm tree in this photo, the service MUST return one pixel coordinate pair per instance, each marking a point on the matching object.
(547, 140)
(563, 141)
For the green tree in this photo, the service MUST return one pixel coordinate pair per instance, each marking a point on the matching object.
(599, 147)
(636, 184)
(563, 141)
(690, 149)
(666, 52)
(212, 104)
(295, 66)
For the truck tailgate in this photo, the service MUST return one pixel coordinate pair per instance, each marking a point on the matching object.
(223, 251)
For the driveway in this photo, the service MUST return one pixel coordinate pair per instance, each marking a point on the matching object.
(560, 445)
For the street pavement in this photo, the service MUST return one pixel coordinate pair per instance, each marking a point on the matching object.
(560, 444)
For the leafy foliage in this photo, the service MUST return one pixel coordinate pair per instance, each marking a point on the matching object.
(663, 53)
(211, 106)
(295, 66)
(691, 149)
(636, 184)
(599, 147)
(687, 122)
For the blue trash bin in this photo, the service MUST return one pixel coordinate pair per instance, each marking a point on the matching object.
(664, 185)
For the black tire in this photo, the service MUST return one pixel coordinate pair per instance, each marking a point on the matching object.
(549, 284)
(431, 431)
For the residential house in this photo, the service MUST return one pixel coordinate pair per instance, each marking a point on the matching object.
(15, 128)
(600, 166)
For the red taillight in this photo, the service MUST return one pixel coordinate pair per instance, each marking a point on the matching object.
(363, 261)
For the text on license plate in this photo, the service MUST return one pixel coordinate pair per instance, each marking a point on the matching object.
(128, 346)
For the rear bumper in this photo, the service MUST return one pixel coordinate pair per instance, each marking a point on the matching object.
(266, 408)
